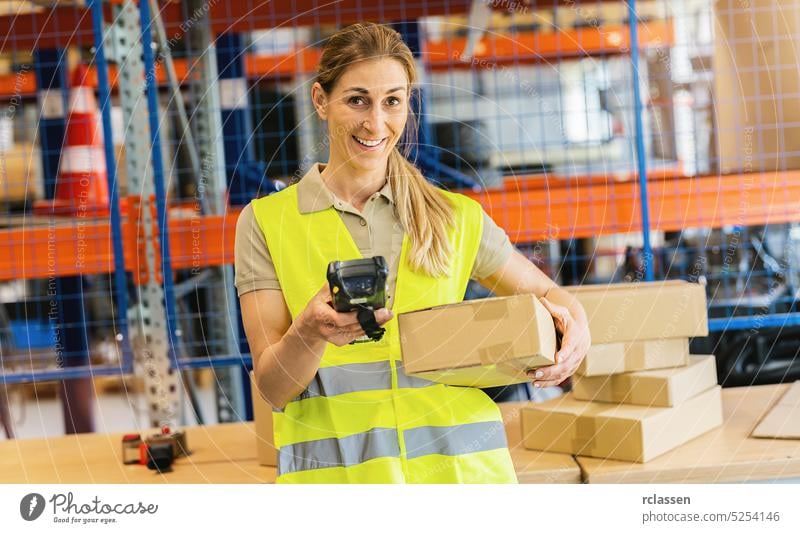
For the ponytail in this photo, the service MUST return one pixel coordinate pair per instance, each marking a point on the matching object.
(425, 214)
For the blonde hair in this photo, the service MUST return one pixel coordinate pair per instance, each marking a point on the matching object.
(424, 211)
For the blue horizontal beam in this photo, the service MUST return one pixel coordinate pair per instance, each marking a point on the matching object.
(754, 322)
(63, 373)
(215, 362)
(89, 371)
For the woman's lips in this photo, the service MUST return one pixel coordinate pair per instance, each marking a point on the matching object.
(368, 148)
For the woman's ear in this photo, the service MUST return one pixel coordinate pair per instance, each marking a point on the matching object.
(320, 100)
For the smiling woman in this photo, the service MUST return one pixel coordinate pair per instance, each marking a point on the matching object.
(348, 412)
(367, 113)
(365, 98)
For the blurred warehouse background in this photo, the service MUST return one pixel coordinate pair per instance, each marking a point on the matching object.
(610, 148)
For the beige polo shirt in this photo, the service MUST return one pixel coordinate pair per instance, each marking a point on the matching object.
(376, 230)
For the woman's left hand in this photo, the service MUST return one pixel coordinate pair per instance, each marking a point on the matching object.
(575, 342)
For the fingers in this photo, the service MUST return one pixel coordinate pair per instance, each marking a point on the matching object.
(569, 345)
(332, 329)
(563, 322)
(552, 375)
(561, 315)
(340, 328)
(575, 339)
(382, 316)
(330, 317)
(343, 336)
(567, 360)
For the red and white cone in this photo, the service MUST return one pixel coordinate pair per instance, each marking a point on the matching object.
(82, 186)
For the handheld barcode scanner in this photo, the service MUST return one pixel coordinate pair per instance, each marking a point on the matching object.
(360, 285)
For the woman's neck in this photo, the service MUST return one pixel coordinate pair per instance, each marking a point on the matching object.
(351, 185)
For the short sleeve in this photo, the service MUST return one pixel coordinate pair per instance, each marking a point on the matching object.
(494, 250)
(253, 264)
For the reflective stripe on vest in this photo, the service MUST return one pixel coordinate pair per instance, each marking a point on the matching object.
(362, 419)
(382, 442)
(455, 440)
(346, 451)
(356, 377)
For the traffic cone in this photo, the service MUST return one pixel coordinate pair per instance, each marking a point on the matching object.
(82, 186)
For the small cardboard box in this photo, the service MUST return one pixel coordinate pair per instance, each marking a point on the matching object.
(627, 312)
(618, 357)
(262, 414)
(623, 432)
(658, 388)
(478, 343)
(783, 419)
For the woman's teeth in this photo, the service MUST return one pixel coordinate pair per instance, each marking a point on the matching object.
(367, 142)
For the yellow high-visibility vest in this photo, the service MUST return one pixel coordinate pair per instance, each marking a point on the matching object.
(362, 419)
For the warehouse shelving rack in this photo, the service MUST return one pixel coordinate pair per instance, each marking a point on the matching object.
(149, 239)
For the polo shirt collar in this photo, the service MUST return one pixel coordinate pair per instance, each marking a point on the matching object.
(313, 195)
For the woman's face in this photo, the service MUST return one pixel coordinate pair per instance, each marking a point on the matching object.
(366, 112)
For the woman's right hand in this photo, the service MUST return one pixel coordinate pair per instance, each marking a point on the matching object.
(320, 321)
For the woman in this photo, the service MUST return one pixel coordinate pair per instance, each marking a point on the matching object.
(348, 412)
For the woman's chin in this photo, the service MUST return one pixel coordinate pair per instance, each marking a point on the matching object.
(369, 160)
(369, 163)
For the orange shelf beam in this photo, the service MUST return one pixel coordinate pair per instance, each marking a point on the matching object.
(538, 46)
(256, 66)
(535, 210)
(78, 246)
(544, 181)
(200, 242)
(562, 209)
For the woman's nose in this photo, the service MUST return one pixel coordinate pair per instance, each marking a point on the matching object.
(374, 119)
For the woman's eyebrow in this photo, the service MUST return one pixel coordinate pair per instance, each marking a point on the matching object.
(365, 91)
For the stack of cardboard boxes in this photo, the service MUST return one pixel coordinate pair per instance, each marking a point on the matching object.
(638, 393)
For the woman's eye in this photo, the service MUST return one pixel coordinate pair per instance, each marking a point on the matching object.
(356, 100)
(393, 101)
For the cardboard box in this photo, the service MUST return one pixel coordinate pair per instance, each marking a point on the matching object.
(626, 312)
(783, 419)
(658, 388)
(20, 178)
(618, 357)
(262, 414)
(478, 343)
(623, 432)
(755, 85)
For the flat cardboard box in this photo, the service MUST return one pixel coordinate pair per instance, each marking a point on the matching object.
(262, 414)
(657, 388)
(623, 432)
(639, 311)
(618, 357)
(783, 419)
(478, 343)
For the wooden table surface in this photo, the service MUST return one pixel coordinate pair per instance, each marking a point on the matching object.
(227, 454)
(726, 454)
(220, 454)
